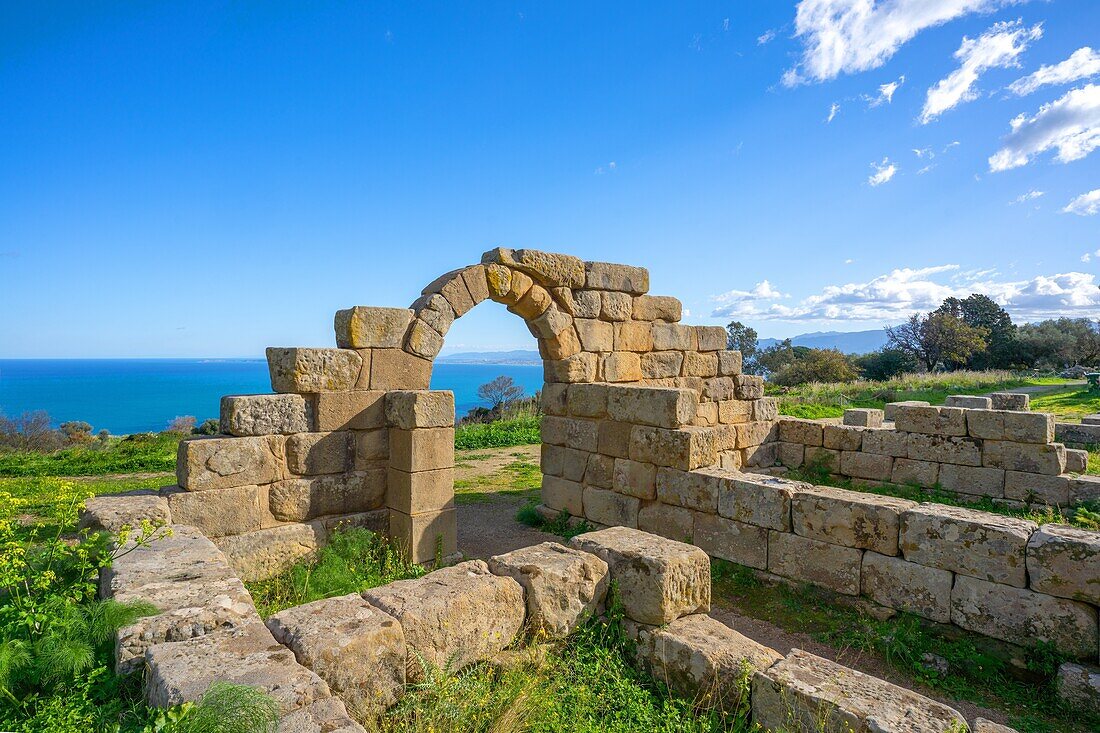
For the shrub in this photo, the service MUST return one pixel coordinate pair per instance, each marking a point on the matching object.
(816, 365)
(500, 434)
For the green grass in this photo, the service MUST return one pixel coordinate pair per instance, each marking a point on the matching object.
(521, 477)
(132, 454)
(563, 525)
(1069, 403)
(977, 670)
(499, 434)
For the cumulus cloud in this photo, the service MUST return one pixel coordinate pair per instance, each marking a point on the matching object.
(998, 47)
(848, 36)
(833, 109)
(885, 93)
(899, 293)
(1029, 196)
(762, 291)
(1070, 124)
(1083, 63)
(1087, 204)
(884, 171)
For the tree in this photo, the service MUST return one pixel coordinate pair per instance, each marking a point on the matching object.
(740, 337)
(981, 311)
(937, 338)
(500, 391)
(182, 424)
(77, 431)
(815, 365)
(885, 364)
(30, 431)
(1058, 343)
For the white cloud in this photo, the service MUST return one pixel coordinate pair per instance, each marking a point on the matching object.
(1087, 204)
(765, 37)
(847, 36)
(605, 169)
(998, 47)
(1029, 196)
(848, 261)
(1082, 64)
(725, 24)
(885, 93)
(833, 109)
(762, 291)
(923, 152)
(1071, 124)
(925, 169)
(1086, 257)
(884, 171)
(899, 293)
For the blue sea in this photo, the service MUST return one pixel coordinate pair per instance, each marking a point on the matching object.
(139, 395)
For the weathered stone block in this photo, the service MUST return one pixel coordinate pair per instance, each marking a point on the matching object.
(323, 716)
(1010, 401)
(610, 508)
(221, 512)
(371, 448)
(729, 363)
(843, 437)
(560, 494)
(358, 650)
(710, 338)
(907, 586)
(595, 335)
(692, 489)
(732, 412)
(813, 561)
(969, 402)
(1038, 488)
(790, 455)
(870, 466)
(420, 491)
(579, 434)
(111, 512)
(662, 364)
(398, 369)
(621, 366)
(979, 544)
(317, 453)
(633, 336)
(754, 433)
(219, 463)
(706, 414)
(616, 306)
(673, 337)
(586, 304)
(749, 387)
(420, 409)
(452, 286)
(574, 463)
(973, 480)
(423, 341)
(1079, 686)
(944, 449)
(806, 432)
(563, 586)
(1065, 562)
(422, 449)
(685, 448)
(673, 522)
(1020, 427)
(476, 279)
(848, 518)
(182, 556)
(1077, 461)
(265, 414)
(699, 364)
(364, 327)
(765, 409)
(555, 399)
(744, 544)
(908, 472)
(1015, 615)
(454, 616)
(634, 478)
(822, 458)
(577, 368)
(600, 471)
(763, 501)
(303, 370)
(298, 500)
(657, 308)
(890, 410)
(807, 693)
(425, 537)
(930, 420)
(355, 410)
(613, 438)
(1048, 459)
(761, 456)
(656, 406)
(863, 417)
(624, 278)
(435, 311)
(660, 579)
(267, 552)
(886, 442)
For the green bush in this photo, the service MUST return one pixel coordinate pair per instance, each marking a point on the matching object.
(144, 452)
(500, 434)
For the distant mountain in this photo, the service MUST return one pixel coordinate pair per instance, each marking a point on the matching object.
(852, 342)
(519, 356)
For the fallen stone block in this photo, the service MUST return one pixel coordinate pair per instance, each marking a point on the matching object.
(813, 561)
(265, 414)
(177, 553)
(267, 552)
(981, 725)
(1011, 401)
(807, 693)
(1079, 686)
(907, 586)
(563, 586)
(357, 649)
(305, 371)
(1065, 562)
(454, 616)
(323, 716)
(659, 579)
(111, 512)
(849, 518)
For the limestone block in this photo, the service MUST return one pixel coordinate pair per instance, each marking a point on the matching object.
(561, 494)
(111, 512)
(574, 463)
(762, 501)
(376, 520)
(498, 280)
(185, 555)
(555, 399)
(978, 544)
(930, 420)
(454, 616)
(550, 323)
(944, 449)
(1079, 686)
(749, 387)
(706, 414)
(889, 412)
(266, 552)
(621, 366)
(616, 306)
(662, 364)
(220, 512)
(691, 489)
(700, 364)
(863, 417)
(732, 412)
(547, 267)
(673, 522)
(304, 370)
(886, 442)
(657, 406)
(574, 433)
(576, 368)
(710, 338)
(673, 337)
(659, 579)
(586, 304)
(686, 448)
(435, 311)
(1065, 562)
(790, 455)
(1077, 461)
(425, 537)
(606, 276)
(317, 453)
(842, 437)
(1049, 459)
(563, 586)
(595, 335)
(741, 543)
(323, 716)
(1038, 488)
(298, 500)
(870, 466)
(633, 336)
(970, 402)
(421, 491)
(634, 478)
(754, 433)
(420, 409)
(1077, 433)
(1085, 488)
(973, 480)
(761, 456)
(182, 671)
(398, 369)
(807, 693)
(423, 449)
(795, 430)
(562, 346)
(613, 438)
(1010, 401)
(848, 518)
(1021, 427)
(908, 472)
(657, 308)
(981, 725)
(730, 460)
(357, 649)
(813, 561)
(371, 448)
(475, 278)
(550, 459)
(729, 363)
(423, 341)
(219, 463)
(703, 660)
(907, 586)
(1016, 614)
(610, 508)
(355, 410)
(600, 471)
(452, 286)
(823, 458)
(364, 327)
(265, 414)
(765, 409)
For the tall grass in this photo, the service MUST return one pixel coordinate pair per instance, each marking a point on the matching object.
(499, 434)
(142, 452)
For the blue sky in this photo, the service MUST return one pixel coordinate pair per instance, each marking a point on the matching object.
(206, 179)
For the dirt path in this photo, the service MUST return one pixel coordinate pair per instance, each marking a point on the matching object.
(1039, 389)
